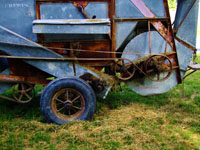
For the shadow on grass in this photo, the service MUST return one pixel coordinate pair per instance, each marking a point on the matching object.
(173, 99)
(10, 110)
(127, 96)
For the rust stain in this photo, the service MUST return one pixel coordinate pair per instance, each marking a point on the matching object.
(157, 24)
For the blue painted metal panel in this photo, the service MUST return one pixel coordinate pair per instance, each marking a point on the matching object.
(3, 64)
(8, 36)
(83, 26)
(140, 45)
(126, 9)
(69, 29)
(17, 15)
(4, 86)
(98, 10)
(60, 68)
(184, 57)
(145, 86)
(16, 45)
(123, 30)
(183, 7)
(60, 11)
(157, 7)
(188, 29)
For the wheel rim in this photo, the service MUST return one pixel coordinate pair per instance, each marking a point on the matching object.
(158, 64)
(124, 69)
(23, 92)
(68, 104)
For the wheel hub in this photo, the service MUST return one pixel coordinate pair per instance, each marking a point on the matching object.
(68, 104)
(157, 65)
(123, 69)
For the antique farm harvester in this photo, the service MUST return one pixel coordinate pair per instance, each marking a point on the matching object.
(80, 49)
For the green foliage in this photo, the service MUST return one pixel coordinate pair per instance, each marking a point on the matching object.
(172, 4)
(198, 57)
(198, 31)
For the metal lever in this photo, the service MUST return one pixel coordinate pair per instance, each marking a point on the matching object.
(81, 9)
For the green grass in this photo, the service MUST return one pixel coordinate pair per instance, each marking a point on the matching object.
(124, 120)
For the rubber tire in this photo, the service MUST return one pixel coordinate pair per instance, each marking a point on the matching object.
(67, 82)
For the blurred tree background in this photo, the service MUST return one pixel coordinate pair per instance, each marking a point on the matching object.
(172, 4)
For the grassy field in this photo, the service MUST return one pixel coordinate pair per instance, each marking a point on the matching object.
(124, 120)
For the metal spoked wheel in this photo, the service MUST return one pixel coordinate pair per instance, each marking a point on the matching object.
(23, 92)
(124, 69)
(67, 99)
(68, 104)
(158, 68)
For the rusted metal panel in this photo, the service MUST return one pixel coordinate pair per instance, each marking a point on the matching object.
(57, 69)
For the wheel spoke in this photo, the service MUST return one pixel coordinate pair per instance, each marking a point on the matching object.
(60, 109)
(58, 104)
(28, 90)
(150, 70)
(76, 107)
(28, 96)
(20, 97)
(129, 65)
(23, 92)
(129, 73)
(75, 99)
(22, 85)
(67, 94)
(59, 100)
(16, 90)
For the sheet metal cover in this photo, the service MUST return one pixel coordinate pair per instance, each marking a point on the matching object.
(72, 21)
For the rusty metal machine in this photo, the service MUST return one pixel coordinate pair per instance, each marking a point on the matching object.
(80, 49)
